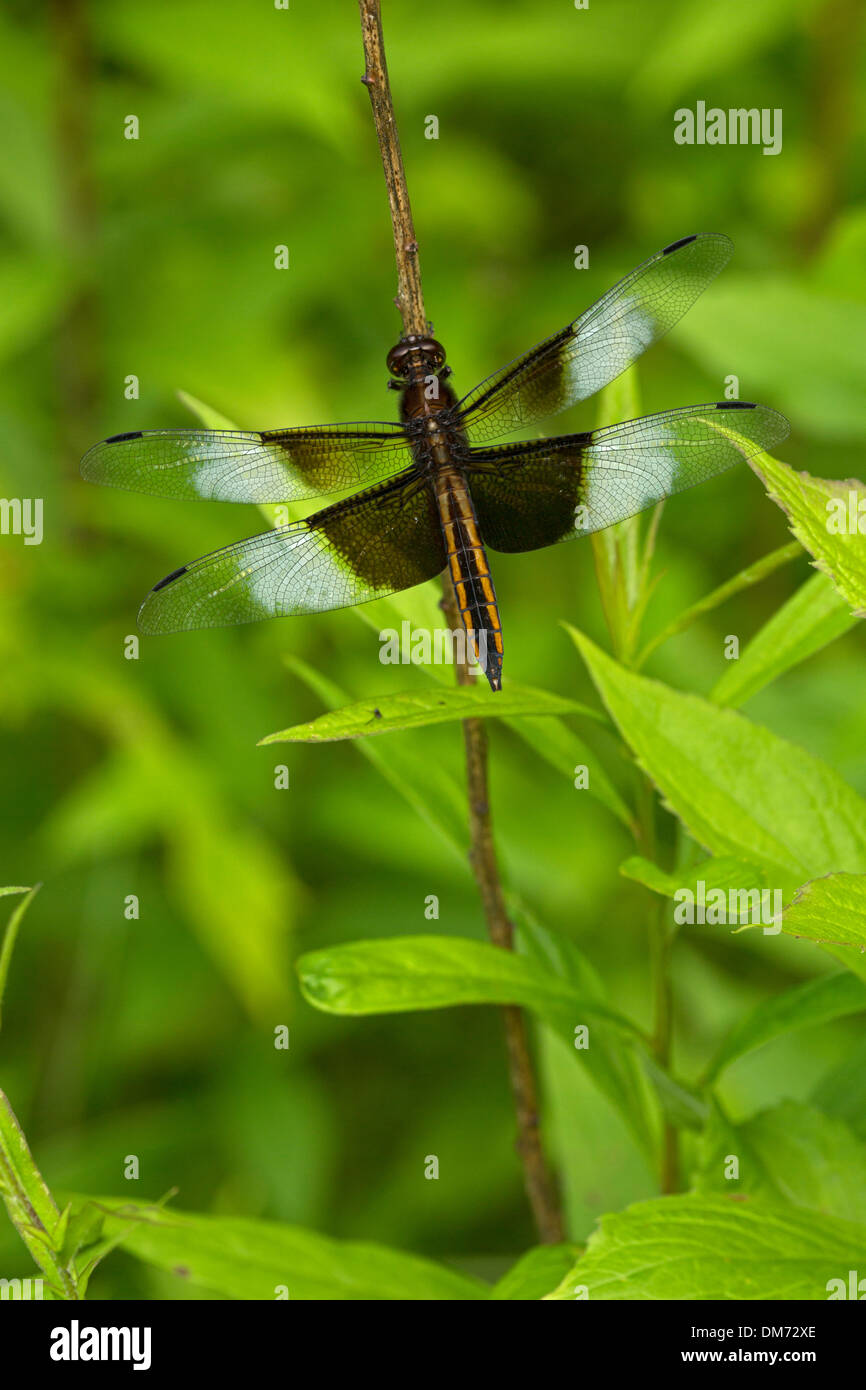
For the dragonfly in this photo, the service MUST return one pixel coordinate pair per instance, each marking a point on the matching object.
(436, 493)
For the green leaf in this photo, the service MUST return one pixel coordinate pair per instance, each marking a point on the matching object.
(565, 750)
(811, 618)
(804, 1006)
(11, 935)
(683, 1106)
(415, 709)
(83, 1224)
(830, 909)
(31, 1207)
(536, 1272)
(825, 516)
(85, 1246)
(694, 1248)
(221, 890)
(751, 896)
(622, 570)
(19, 1176)
(748, 577)
(211, 418)
(246, 1259)
(724, 873)
(405, 973)
(739, 789)
(612, 1060)
(790, 1153)
(430, 790)
(841, 1091)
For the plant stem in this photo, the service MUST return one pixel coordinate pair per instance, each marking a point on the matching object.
(10, 935)
(539, 1184)
(410, 299)
(540, 1187)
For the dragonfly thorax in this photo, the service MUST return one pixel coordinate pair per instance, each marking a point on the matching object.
(426, 397)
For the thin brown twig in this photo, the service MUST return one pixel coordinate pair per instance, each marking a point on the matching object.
(540, 1188)
(410, 299)
(539, 1184)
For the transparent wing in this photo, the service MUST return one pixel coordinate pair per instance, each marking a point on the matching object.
(593, 350)
(533, 495)
(248, 465)
(364, 547)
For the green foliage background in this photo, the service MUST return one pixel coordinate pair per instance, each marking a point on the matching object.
(155, 257)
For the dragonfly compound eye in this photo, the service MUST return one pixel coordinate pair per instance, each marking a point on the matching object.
(396, 358)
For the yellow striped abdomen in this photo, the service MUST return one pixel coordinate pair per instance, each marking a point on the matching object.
(470, 572)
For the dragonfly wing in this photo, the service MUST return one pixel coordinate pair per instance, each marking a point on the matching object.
(593, 350)
(531, 495)
(363, 547)
(248, 465)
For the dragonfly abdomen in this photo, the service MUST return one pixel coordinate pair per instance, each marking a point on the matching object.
(470, 572)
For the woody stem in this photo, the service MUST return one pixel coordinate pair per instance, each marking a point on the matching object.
(539, 1184)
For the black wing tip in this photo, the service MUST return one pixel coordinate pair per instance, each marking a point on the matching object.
(169, 579)
(675, 245)
(93, 462)
(780, 425)
(720, 237)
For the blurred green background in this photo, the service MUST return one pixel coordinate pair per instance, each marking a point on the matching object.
(155, 257)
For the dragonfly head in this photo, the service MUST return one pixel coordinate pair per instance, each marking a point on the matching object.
(416, 356)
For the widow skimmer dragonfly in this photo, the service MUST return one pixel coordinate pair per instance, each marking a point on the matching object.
(439, 494)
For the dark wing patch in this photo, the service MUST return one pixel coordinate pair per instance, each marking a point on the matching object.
(530, 495)
(364, 547)
(593, 350)
(246, 465)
